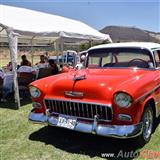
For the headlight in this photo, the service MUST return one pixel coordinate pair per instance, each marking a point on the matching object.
(123, 100)
(35, 92)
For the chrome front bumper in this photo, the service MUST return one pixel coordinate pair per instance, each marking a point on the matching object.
(118, 131)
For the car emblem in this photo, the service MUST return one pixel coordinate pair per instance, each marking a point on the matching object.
(74, 94)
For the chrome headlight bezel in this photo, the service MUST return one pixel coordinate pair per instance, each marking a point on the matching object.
(122, 100)
(34, 91)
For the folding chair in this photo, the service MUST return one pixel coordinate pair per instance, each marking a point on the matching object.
(1, 87)
(24, 79)
(44, 72)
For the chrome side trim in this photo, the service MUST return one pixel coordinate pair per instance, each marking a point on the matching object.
(117, 131)
(148, 93)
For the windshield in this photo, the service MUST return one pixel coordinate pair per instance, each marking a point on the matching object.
(120, 57)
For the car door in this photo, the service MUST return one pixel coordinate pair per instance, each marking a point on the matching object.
(157, 59)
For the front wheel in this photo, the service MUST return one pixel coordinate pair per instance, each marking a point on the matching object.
(147, 120)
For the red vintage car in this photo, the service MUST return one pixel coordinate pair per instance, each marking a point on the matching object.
(116, 95)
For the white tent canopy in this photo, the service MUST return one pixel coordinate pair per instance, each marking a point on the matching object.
(40, 27)
(34, 23)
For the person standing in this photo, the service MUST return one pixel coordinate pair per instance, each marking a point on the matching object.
(43, 63)
(25, 61)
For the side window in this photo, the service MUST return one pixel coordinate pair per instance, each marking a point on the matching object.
(93, 62)
(106, 60)
(157, 57)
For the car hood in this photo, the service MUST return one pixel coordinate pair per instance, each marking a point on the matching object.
(91, 84)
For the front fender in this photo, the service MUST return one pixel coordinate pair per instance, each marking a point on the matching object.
(144, 102)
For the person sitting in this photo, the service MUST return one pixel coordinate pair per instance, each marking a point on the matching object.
(9, 66)
(25, 75)
(26, 72)
(26, 68)
(25, 62)
(6, 85)
(53, 66)
(43, 62)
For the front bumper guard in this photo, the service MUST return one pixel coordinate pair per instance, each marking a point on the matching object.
(117, 131)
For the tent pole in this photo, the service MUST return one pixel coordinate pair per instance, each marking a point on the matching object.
(13, 42)
(62, 47)
(61, 44)
(56, 45)
(31, 51)
(90, 43)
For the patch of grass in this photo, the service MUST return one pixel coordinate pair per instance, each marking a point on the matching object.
(22, 140)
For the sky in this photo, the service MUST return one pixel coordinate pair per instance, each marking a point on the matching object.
(144, 14)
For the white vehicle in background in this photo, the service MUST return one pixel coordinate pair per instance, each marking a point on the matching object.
(69, 57)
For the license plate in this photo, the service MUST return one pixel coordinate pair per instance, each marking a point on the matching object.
(66, 122)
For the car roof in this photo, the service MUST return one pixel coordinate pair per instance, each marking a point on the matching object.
(147, 45)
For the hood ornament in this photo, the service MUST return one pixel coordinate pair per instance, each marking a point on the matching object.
(73, 93)
(78, 78)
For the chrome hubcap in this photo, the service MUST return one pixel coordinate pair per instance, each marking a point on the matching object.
(148, 124)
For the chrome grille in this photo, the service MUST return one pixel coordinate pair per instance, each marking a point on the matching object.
(78, 109)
